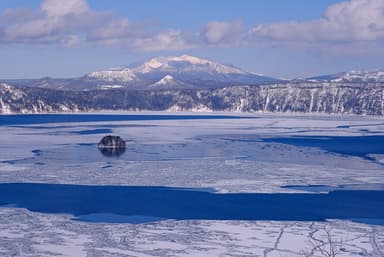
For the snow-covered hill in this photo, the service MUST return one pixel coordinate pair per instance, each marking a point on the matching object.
(352, 77)
(169, 82)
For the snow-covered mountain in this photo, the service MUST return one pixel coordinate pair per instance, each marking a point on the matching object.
(352, 77)
(185, 70)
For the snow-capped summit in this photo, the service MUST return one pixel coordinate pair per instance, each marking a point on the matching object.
(169, 82)
(186, 63)
(166, 80)
(191, 59)
(354, 76)
(149, 66)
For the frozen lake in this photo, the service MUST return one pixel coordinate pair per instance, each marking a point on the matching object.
(242, 173)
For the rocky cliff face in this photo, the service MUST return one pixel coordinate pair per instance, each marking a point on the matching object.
(304, 97)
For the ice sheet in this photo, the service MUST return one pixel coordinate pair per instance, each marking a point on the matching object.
(191, 153)
(52, 235)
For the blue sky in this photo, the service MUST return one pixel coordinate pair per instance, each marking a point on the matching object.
(295, 38)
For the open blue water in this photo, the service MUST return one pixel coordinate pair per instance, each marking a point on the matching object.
(24, 119)
(93, 131)
(91, 203)
(360, 146)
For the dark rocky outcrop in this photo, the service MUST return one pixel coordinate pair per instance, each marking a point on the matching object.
(111, 145)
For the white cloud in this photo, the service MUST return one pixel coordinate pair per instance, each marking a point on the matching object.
(53, 22)
(73, 22)
(55, 8)
(219, 32)
(167, 40)
(349, 21)
(349, 26)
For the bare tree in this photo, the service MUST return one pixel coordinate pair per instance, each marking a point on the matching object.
(330, 246)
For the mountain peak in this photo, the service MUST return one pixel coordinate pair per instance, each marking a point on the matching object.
(166, 80)
(169, 82)
(170, 62)
(190, 59)
(187, 63)
(153, 63)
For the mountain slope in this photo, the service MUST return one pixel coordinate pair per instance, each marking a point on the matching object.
(335, 98)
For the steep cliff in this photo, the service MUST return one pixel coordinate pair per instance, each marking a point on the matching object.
(304, 97)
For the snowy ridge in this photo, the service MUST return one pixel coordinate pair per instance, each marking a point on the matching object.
(113, 74)
(354, 76)
(186, 62)
(149, 66)
(325, 97)
(12, 92)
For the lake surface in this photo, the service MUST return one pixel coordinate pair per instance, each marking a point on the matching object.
(134, 204)
(92, 203)
(208, 147)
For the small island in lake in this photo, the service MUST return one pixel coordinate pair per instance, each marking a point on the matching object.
(111, 145)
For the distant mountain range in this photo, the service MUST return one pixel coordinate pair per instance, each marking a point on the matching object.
(188, 83)
(180, 72)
